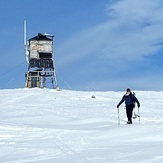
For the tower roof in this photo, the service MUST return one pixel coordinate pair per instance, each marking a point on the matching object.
(42, 37)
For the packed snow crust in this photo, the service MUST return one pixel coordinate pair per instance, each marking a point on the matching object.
(48, 126)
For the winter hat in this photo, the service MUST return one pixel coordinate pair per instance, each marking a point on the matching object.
(128, 90)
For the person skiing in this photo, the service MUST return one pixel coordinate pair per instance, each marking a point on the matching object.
(129, 99)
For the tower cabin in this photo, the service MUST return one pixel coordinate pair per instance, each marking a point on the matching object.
(39, 56)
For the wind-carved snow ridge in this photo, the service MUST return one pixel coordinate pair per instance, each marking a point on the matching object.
(48, 126)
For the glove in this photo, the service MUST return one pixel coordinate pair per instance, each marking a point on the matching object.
(138, 105)
(117, 106)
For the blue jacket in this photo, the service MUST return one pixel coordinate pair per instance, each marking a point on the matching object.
(129, 100)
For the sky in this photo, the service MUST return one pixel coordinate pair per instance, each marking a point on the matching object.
(99, 45)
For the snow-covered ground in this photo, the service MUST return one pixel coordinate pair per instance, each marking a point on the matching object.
(48, 126)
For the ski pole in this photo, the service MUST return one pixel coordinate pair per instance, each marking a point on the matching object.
(139, 115)
(118, 116)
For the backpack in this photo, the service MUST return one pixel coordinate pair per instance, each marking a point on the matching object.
(133, 99)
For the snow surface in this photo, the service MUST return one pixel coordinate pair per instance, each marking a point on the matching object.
(48, 126)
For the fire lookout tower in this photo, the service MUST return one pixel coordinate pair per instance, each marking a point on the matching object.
(39, 55)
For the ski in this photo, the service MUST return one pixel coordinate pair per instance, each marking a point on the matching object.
(136, 116)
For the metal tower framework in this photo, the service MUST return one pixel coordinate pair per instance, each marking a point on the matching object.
(39, 55)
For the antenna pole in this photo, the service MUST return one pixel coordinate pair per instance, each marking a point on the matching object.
(25, 35)
(25, 41)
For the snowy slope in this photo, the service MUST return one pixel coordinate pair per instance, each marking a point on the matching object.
(48, 126)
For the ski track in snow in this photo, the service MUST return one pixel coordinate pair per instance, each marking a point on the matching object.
(48, 126)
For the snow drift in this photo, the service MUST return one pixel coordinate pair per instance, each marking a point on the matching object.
(44, 125)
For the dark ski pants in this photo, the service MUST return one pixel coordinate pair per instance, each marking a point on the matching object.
(129, 110)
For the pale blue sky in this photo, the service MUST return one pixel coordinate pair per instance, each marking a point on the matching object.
(99, 44)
